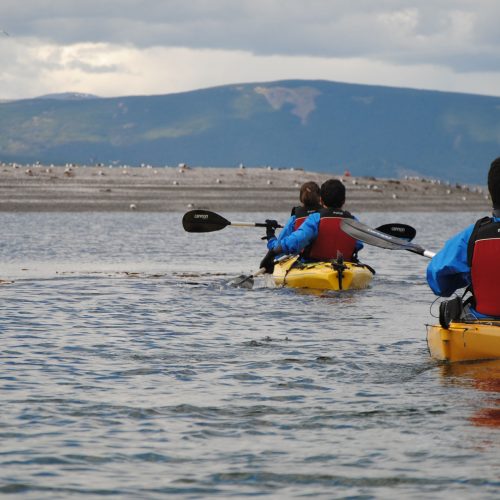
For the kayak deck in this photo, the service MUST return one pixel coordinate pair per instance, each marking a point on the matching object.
(467, 341)
(321, 275)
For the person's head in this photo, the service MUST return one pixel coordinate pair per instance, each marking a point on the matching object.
(309, 194)
(494, 182)
(332, 193)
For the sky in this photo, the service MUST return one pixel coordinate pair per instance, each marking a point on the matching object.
(131, 47)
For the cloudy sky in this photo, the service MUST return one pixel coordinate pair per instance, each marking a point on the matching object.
(130, 47)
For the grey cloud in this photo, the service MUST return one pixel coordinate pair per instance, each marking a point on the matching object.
(388, 30)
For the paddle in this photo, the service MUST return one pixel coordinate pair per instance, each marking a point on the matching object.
(204, 221)
(380, 239)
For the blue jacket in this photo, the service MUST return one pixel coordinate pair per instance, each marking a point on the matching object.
(293, 242)
(285, 232)
(449, 270)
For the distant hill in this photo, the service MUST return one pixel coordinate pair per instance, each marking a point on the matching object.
(317, 125)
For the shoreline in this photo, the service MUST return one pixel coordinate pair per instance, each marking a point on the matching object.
(73, 188)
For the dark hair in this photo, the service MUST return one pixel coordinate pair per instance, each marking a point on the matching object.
(309, 194)
(494, 182)
(333, 193)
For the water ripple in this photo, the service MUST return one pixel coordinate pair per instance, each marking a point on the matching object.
(141, 374)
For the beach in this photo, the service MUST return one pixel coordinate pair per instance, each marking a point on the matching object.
(73, 188)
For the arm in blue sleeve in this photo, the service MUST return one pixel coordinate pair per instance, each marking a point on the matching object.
(359, 245)
(300, 238)
(448, 270)
(286, 231)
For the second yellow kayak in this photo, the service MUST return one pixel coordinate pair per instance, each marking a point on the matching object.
(322, 275)
(468, 341)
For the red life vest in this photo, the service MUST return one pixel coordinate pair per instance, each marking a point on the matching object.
(301, 214)
(483, 254)
(331, 241)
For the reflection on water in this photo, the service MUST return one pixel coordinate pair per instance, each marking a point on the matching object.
(481, 376)
(130, 368)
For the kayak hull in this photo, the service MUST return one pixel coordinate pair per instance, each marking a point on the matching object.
(321, 275)
(464, 341)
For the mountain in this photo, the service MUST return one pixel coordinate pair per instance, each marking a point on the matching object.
(316, 125)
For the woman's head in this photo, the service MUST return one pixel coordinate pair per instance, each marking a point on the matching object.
(309, 194)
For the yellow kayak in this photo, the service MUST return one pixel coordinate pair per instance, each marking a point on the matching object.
(322, 275)
(468, 341)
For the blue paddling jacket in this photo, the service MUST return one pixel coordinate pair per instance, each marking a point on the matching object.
(298, 217)
(451, 268)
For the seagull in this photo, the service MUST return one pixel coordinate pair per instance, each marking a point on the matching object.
(4, 32)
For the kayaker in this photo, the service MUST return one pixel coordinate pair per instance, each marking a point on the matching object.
(319, 238)
(310, 202)
(471, 259)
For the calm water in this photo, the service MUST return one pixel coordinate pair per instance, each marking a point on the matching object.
(130, 369)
